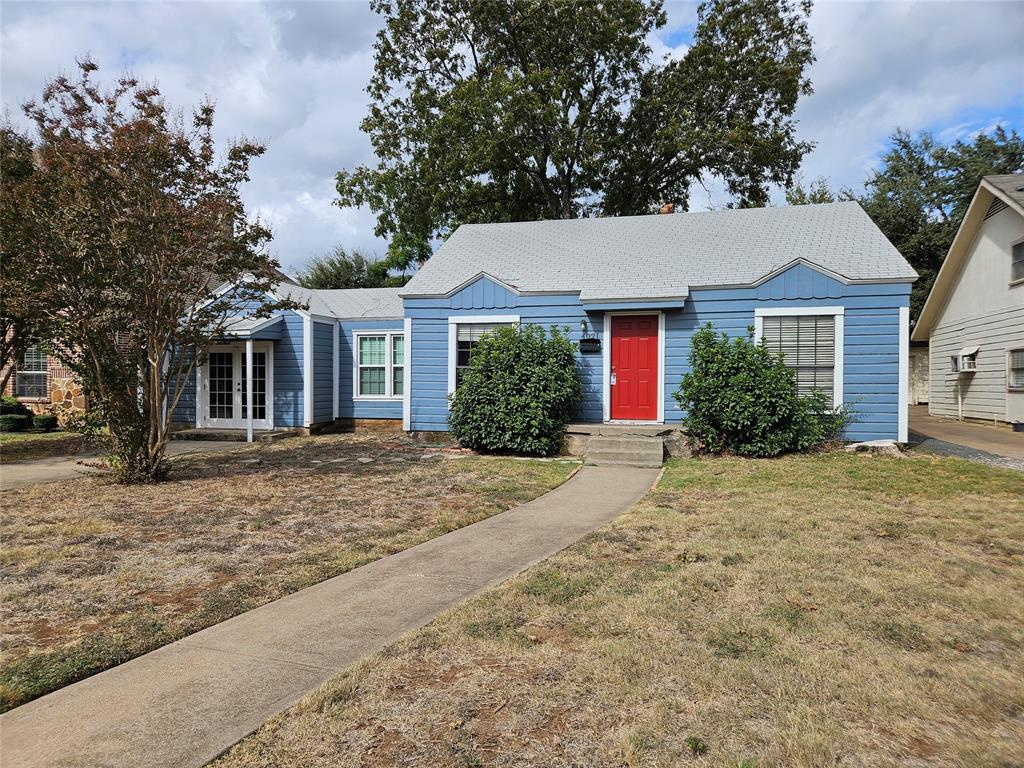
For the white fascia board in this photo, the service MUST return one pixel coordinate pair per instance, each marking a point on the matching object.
(903, 407)
(307, 370)
(407, 362)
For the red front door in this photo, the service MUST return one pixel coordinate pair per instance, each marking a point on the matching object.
(634, 374)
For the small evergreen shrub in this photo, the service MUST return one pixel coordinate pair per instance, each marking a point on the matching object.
(741, 398)
(10, 404)
(519, 392)
(14, 422)
(47, 422)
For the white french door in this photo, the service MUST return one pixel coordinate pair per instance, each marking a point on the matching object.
(223, 397)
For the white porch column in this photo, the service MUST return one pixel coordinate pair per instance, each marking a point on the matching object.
(248, 390)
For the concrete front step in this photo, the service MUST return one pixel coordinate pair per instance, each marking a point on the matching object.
(625, 450)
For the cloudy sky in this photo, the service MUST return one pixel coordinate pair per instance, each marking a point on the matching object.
(293, 74)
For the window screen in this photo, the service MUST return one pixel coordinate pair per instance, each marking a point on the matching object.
(381, 365)
(467, 337)
(1015, 377)
(30, 379)
(808, 346)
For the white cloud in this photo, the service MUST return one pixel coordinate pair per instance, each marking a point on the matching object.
(294, 74)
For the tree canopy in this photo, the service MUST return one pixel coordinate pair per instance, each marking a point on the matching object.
(525, 109)
(123, 230)
(920, 192)
(339, 269)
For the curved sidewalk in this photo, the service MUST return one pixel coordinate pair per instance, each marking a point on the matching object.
(184, 704)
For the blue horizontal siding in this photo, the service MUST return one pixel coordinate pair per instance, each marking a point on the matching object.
(871, 341)
(185, 412)
(323, 372)
(288, 373)
(350, 407)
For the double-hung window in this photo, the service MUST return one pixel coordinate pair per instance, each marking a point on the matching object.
(808, 344)
(467, 336)
(1015, 369)
(30, 379)
(1017, 262)
(380, 364)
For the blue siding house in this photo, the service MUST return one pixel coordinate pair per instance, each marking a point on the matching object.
(819, 283)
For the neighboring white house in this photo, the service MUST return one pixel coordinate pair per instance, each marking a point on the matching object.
(974, 316)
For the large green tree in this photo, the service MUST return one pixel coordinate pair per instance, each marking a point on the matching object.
(123, 230)
(512, 110)
(340, 269)
(920, 192)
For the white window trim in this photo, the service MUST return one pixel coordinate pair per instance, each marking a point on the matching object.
(839, 313)
(454, 321)
(389, 382)
(1019, 280)
(1009, 373)
(606, 354)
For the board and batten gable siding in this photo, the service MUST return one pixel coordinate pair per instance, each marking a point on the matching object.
(984, 310)
(871, 341)
(288, 367)
(323, 372)
(349, 406)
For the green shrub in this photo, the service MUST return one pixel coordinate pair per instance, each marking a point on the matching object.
(9, 404)
(741, 398)
(519, 392)
(47, 422)
(14, 422)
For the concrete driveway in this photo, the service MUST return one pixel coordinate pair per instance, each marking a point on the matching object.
(53, 468)
(986, 443)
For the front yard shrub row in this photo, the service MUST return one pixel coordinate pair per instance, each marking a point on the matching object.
(741, 398)
(14, 422)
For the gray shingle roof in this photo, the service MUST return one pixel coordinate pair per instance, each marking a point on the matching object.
(638, 257)
(1010, 184)
(347, 303)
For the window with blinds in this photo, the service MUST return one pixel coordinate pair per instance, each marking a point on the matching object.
(1015, 374)
(1017, 264)
(467, 336)
(380, 365)
(808, 346)
(30, 379)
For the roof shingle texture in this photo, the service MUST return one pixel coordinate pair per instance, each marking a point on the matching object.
(347, 303)
(1010, 184)
(660, 256)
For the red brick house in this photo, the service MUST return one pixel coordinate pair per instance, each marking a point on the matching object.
(42, 382)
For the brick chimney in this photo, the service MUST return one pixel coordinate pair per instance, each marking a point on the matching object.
(667, 208)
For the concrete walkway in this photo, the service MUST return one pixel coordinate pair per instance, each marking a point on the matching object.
(18, 473)
(187, 702)
(984, 443)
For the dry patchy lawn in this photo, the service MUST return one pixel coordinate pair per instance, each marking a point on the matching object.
(23, 446)
(838, 609)
(95, 573)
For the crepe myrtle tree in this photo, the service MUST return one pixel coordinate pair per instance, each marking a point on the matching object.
(126, 227)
